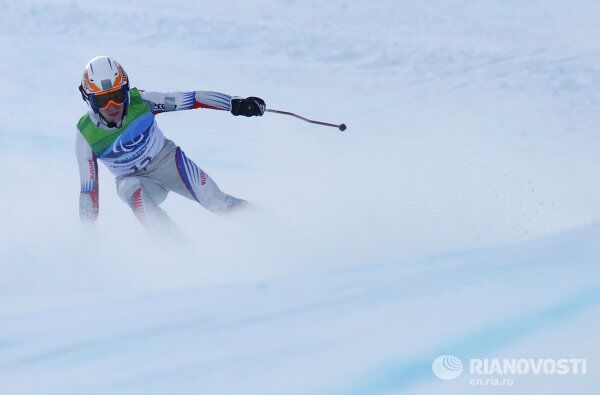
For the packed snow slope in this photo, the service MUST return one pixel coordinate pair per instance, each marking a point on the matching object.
(457, 215)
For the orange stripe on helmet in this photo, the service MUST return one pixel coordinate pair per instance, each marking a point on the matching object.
(119, 78)
(93, 87)
(110, 90)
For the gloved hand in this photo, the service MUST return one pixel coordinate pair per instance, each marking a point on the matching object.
(88, 206)
(249, 107)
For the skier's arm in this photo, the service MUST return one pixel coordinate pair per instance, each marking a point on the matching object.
(88, 174)
(176, 101)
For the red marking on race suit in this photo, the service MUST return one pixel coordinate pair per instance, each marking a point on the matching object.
(92, 213)
(95, 201)
(92, 168)
(202, 177)
(137, 204)
(202, 105)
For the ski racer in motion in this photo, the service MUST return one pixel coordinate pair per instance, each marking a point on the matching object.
(120, 129)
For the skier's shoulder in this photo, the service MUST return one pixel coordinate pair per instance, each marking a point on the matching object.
(156, 102)
(145, 95)
(84, 121)
(137, 94)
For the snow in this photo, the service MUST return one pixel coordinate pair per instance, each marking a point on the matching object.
(457, 215)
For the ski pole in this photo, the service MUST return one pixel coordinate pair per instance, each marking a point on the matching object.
(341, 126)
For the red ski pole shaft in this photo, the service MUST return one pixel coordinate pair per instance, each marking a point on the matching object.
(341, 126)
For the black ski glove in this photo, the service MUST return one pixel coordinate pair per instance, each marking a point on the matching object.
(249, 107)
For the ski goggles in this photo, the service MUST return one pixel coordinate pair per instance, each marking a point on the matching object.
(104, 99)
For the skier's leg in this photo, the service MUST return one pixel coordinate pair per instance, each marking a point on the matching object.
(192, 182)
(144, 196)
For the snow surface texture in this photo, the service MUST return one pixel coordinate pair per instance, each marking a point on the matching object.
(458, 215)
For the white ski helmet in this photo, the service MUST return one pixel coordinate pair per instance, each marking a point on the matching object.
(104, 81)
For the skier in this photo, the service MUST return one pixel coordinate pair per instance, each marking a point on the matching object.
(120, 130)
